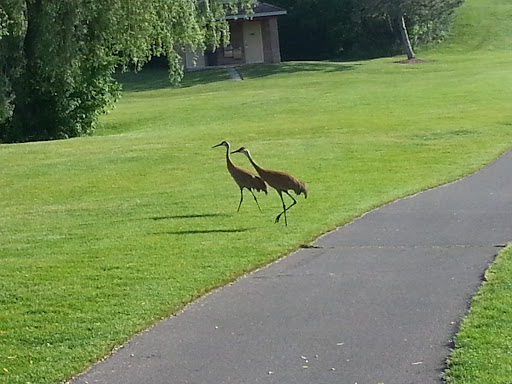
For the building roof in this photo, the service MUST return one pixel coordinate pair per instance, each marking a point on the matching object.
(259, 10)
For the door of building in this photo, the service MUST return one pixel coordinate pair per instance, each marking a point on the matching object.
(253, 42)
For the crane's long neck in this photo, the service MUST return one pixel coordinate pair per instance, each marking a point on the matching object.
(256, 166)
(228, 158)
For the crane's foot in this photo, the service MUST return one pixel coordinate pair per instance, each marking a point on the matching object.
(278, 217)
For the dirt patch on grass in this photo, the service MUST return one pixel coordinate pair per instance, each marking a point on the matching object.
(413, 61)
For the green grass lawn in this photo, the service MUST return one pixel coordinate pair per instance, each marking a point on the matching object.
(102, 236)
(483, 351)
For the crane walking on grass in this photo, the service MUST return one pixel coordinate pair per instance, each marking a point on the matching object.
(280, 181)
(243, 178)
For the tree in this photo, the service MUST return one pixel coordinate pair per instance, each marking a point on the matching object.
(3, 23)
(316, 29)
(429, 17)
(57, 57)
(332, 29)
(394, 10)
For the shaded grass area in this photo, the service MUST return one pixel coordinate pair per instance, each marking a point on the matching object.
(299, 67)
(483, 352)
(102, 236)
(157, 78)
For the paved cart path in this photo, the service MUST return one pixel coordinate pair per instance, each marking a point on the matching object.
(378, 302)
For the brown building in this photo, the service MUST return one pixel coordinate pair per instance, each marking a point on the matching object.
(254, 39)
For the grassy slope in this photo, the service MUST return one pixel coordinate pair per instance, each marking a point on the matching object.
(102, 236)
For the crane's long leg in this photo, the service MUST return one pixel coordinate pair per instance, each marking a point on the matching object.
(284, 210)
(255, 199)
(241, 199)
(284, 207)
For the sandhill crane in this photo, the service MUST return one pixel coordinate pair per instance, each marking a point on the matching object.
(280, 181)
(243, 178)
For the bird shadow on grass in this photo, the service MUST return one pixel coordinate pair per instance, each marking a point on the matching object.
(189, 216)
(203, 231)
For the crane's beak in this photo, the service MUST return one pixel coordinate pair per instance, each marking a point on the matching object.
(237, 151)
(218, 145)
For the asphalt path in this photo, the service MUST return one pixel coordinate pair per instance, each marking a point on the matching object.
(376, 301)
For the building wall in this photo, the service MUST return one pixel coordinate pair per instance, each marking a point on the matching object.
(267, 47)
(270, 33)
(274, 40)
(193, 59)
(234, 54)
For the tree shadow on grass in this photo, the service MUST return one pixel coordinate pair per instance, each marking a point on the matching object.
(146, 80)
(155, 78)
(257, 71)
(152, 79)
